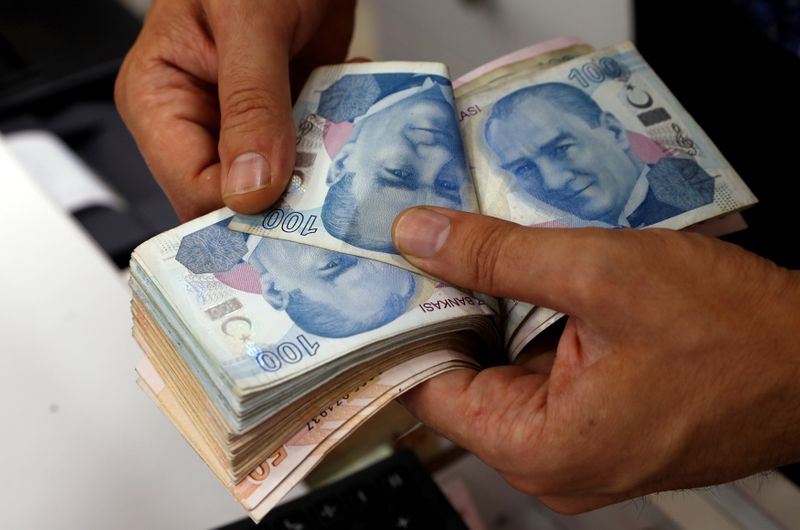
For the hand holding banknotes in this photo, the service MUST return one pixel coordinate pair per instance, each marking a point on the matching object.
(206, 93)
(677, 368)
(269, 338)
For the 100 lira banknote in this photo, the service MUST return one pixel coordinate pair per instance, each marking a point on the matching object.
(596, 141)
(373, 140)
(251, 313)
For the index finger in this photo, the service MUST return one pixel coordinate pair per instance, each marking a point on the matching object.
(172, 111)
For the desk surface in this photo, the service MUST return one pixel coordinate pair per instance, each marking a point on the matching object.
(82, 446)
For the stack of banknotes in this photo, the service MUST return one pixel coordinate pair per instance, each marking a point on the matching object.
(269, 338)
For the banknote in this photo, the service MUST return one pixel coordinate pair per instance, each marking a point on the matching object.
(373, 140)
(525, 62)
(275, 490)
(536, 50)
(596, 141)
(528, 66)
(242, 451)
(252, 312)
(537, 320)
(318, 431)
(514, 313)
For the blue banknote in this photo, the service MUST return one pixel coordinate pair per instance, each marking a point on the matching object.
(373, 140)
(596, 141)
(249, 313)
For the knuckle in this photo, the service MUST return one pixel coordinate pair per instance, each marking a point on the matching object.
(248, 106)
(484, 250)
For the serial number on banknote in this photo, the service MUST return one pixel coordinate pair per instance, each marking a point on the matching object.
(329, 410)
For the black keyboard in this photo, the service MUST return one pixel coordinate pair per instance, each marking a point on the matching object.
(397, 493)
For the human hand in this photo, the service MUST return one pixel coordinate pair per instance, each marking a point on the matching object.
(205, 90)
(678, 366)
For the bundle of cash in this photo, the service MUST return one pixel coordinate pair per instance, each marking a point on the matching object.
(270, 337)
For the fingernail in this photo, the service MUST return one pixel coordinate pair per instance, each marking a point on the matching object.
(421, 232)
(249, 172)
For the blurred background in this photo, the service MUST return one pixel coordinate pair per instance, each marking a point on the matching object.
(84, 448)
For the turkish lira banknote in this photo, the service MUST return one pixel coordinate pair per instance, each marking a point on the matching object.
(252, 313)
(373, 140)
(542, 53)
(318, 431)
(596, 141)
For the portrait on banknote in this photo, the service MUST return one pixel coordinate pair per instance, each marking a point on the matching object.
(328, 293)
(323, 292)
(558, 147)
(404, 149)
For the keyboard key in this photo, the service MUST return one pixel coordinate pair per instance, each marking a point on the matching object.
(329, 512)
(410, 517)
(396, 482)
(294, 521)
(362, 498)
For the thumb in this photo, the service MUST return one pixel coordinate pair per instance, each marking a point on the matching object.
(256, 139)
(542, 266)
